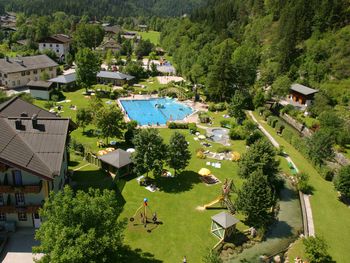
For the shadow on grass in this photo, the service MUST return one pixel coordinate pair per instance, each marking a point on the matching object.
(137, 255)
(73, 163)
(89, 133)
(181, 183)
(83, 180)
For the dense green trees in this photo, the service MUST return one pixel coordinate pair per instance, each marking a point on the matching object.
(316, 250)
(80, 227)
(320, 146)
(342, 181)
(88, 35)
(84, 117)
(178, 153)
(88, 65)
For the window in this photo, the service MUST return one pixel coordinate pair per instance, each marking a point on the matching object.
(0, 74)
(13, 83)
(5, 75)
(22, 216)
(44, 45)
(57, 50)
(23, 73)
(2, 216)
(50, 45)
(19, 199)
(1, 199)
(18, 82)
(17, 177)
(35, 71)
(51, 68)
(56, 45)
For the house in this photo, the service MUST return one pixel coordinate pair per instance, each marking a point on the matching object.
(33, 160)
(17, 72)
(111, 30)
(68, 80)
(59, 43)
(116, 78)
(110, 44)
(118, 163)
(130, 35)
(143, 27)
(301, 95)
(40, 89)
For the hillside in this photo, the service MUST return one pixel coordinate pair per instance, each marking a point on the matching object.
(101, 8)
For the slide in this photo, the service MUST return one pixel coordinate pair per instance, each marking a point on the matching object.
(217, 200)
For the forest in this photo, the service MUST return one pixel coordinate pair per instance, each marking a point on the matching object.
(101, 8)
(253, 45)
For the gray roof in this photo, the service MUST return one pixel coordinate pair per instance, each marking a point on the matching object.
(303, 89)
(225, 220)
(65, 79)
(118, 158)
(10, 65)
(114, 75)
(58, 38)
(15, 107)
(39, 83)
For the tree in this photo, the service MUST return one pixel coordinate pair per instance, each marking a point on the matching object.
(260, 156)
(88, 65)
(281, 86)
(84, 117)
(108, 59)
(240, 102)
(130, 131)
(303, 182)
(110, 120)
(150, 152)
(316, 250)
(342, 181)
(320, 146)
(81, 227)
(135, 69)
(255, 199)
(88, 36)
(144, 48)
(178, 152)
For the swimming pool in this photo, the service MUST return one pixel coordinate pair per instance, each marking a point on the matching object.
(157, 110)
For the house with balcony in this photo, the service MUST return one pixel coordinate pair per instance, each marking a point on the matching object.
(59, 43)
(18, 72)
(33, 160)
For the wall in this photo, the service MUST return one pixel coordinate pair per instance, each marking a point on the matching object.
(20, 79)
(40, 94)
(59, 49)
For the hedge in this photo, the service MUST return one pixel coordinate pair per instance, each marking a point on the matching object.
(176, 125)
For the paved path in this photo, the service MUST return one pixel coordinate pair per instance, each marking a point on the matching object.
(19, 247)
(306, 198)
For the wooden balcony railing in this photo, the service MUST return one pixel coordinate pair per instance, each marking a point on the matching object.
(27, 189)
(20, 209)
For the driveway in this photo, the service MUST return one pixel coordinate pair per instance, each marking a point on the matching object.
(19, 247)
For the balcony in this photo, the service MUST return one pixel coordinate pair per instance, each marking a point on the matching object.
(27, 189)
(20, 209)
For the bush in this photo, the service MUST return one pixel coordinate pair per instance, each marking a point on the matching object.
(253, 137)
(204, 117)
(224, 149)
(279, 127)
(266, 114)
(48, 104)
(288, 135)
(303, 182)
(176, 125)
(77, 147)
(260, 110)
(287, 109)
(225, 123)
(238, 133)
(192, 127)
(272, 120)
(211, 107)
(220, 106)
(327, 173)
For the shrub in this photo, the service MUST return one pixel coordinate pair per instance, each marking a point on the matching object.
(250, 125)
(287, 135)
(279, 127)
(220, 106)
(238, 133)
(327, 173)
(55, 97)
(204, 117)
(266, 114)
(201, 155)
(176, 125)
(303, 182)
(48, 104)
(260, 110)
(211, 107)
(192, 127)
(225, 123)
(77, 147)
(236, 156)
(342, 182)
(253, 137)
(287, 109)
(224, 149)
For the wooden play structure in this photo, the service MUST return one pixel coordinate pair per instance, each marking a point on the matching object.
(224, 197)
(223, 226)
(144, 211)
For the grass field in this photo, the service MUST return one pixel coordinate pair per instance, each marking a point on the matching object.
(331, 217)
(152, 36)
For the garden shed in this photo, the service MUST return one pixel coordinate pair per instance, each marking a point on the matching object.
(118, 163)
(223, 225)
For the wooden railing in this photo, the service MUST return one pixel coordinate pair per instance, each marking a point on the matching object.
(20, 209)
(27, 189)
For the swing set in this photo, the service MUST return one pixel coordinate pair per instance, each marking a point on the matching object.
(144, 211)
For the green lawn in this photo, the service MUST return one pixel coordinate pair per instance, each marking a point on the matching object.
(152, 36)
(331, 217)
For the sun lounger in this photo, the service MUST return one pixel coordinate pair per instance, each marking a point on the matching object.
(151, 189)
(208, 163)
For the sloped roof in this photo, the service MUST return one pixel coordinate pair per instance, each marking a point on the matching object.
(65, 79)
(112, 29)
(225, 220)
(114, 75)
(118, 158)
(303, 89)
(39, 83)
(38, 150)
(15, 107)
(58, 38)
(10, 65)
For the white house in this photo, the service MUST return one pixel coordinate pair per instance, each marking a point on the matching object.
(59, 43)
(17, 72)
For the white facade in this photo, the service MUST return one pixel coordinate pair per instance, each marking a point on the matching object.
(61, 49)
(20, 79)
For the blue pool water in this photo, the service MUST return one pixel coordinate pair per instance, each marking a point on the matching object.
(146, 111)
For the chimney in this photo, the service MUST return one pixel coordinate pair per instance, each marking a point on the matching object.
(24, 114)
(18, 124)
(35, 121)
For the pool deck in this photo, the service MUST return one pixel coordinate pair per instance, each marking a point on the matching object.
(192, 118)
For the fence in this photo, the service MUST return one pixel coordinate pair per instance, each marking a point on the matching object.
(296, 125)
(91, 158)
